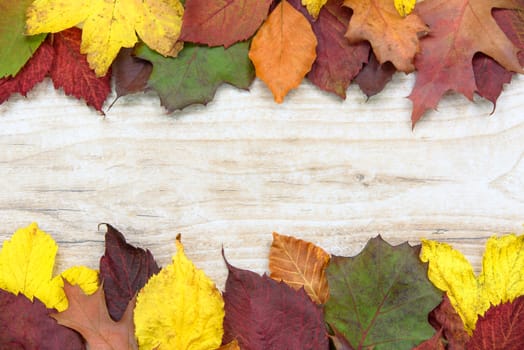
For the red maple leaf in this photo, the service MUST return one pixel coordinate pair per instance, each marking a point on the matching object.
(60, 57)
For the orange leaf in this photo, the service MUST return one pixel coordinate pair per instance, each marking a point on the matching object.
(230, 346)
(394, 38)
(283, 50)
(88, 315)
(300, 264)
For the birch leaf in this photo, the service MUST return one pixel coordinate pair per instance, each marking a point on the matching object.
(179, 308)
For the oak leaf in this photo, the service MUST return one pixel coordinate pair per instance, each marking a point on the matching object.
(26, 325)
(264, 314)
(380, 298)
(124, 270)
(222, 22)
(300, 264)
(501, 328)
(459, 30)
(15, 47)
(110, 25)
(26, 266)
(393, 38)
(501, 278)
(283, 50)
(87, 314)
(179, 308)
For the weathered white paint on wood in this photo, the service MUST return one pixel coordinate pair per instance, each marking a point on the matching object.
(335, 173)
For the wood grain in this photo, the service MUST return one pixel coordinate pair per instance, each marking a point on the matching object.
(335, 173)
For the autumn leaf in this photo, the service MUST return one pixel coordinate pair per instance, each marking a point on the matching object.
(338, 61)
(264, 314)
(501, 328)
(197, 72)
(26, 324)
(179, 308)
(445, 318)
(230, 346)
(283, 50)
(459, 30)
(393, 38)
(222, 22)
(501, 279)
(60, 57)
(124, 269)
(130, 73)
(300, 264)
(380, 298)
(26, 266)
(404, 7)
(374, 76)
(87, 314)
(433, 343)
(110, 25)
(314, 6)
(15, 47)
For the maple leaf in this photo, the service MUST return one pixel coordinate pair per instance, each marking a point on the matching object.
(314, 6)
(179, 308)
(60, 57)
(26, 325)
(445, 318)
(404, 7)
(110, 25)
(26, 266)
(501, 328)
(197, 72)
(459, 30)
(500, 280)
(222, 22)
(15, 48)
(130, 73)
(374, 76)
(300, 264)
(380, 298)
(264, 314)
(124, 269)
(393, 38)
(87, 314)
(283, 50)
(337, 61)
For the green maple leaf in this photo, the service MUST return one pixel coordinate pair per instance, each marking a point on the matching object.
(15, 47)
(195, 74)
(380, 299)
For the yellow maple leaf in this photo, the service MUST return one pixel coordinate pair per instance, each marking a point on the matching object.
(109, 25)
(314, 6)
(501, 279)
(179, 308)
(26, 266)
(404, 7)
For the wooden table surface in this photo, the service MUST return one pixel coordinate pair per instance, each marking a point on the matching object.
(332, 172)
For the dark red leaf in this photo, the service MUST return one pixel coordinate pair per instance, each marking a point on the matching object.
(124, 269)
(338, 61)
(264, 314)
(130, 73)
(26, 325)
(31, 74)
(222, 22)
(445, 317)
(374, 76)
(71, 71)
(434, 343)
(501, 328)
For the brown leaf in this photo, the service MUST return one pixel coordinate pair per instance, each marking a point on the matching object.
(433, 343)
(300, 264)
(88, 315)
(233, 345)
(131, 73)
(445, 318)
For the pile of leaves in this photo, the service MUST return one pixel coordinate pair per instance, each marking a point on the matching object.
(386, 297)
(185, 49)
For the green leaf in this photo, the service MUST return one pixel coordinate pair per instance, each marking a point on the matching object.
(380, 299)
(195, 74)
(15, 47)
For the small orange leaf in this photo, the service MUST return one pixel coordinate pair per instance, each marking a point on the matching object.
(300, 264)
(230, 346)
(283, 50)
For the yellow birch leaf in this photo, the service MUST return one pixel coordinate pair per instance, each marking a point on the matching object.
(26, 266)
(501, 279)
(179, 308)
(110, 25)
(283, 50)
(314, 6)
(404, 7)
